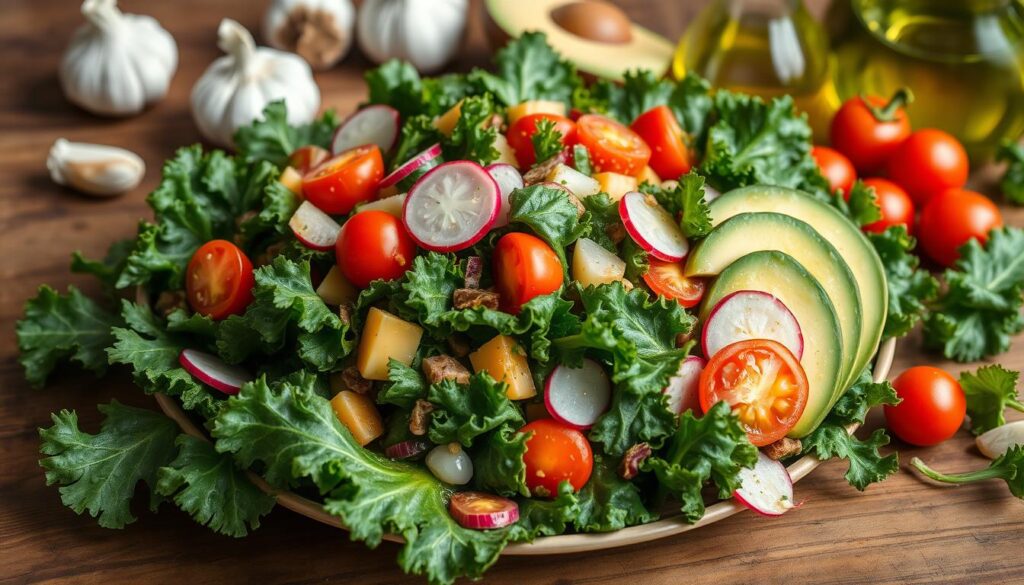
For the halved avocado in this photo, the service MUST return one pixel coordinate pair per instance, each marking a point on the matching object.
(847, 238)
(753, 232)
(780, 275)
(597, 36)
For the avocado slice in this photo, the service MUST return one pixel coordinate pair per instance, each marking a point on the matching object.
(627, 47)
(752, 232)
(847, 238)
(779, 274)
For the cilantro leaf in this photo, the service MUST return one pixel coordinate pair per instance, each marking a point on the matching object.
(607, 502)
(550, 214)
(990, 391)
(910, 287)
(498, 462)
(207, 485)
(529, 69)
(63, 327)
(547, 141)
(464, 412)
(273, 139)
(1013, 181)
(98, 473)
(473, 138)
(687, 202)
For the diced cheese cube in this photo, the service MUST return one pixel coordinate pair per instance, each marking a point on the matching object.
(616, 185)
(649, 176)
(593, 265)
(505, 361)
(385, 337)
(335, 290)
(445, 123)
(505, 153)
(534, 107)
(359, 415)
(391, 205)
(581, 185)
(292, 180)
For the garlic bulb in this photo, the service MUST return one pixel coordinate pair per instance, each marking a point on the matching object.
(95, 169)
(235, 88)
(117, 63)
(319, 31)
(427, 33)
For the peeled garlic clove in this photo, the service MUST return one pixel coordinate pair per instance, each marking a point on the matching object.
(995, 442)
(450, 464)
(95, 169)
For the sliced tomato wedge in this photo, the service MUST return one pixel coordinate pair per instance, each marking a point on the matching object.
(339, 183)
(613, 147)
(219, 280)
(659, 128)
(762, 381)
(667, 279)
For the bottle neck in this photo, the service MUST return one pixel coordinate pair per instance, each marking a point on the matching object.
(762, 8)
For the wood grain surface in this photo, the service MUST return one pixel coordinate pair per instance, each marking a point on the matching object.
(904, 530)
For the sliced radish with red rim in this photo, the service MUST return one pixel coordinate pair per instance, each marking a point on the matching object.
(377, 124)
(451, 207)
(413, 168)
(508, 180)
(407, 449)
(652, 228)
(212, 371)
(751, 314)
(314, 228)
(577, 396)
(683, 389)
(767, 488)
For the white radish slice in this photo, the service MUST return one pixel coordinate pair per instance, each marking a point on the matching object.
(422, 161)
(652, 228)
(577, 397)
(997, 441)
(406, 449)
(751, 314)
(451, 207)
(210, 370)
(482, 511)
(508, 180)
(377, 124)
(767, 488)
(683, 389)
(314, 228)
(450, 464)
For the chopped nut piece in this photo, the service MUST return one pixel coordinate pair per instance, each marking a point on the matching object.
(345, 314)
(354, 381)
(169, 300)
(631, 460)
(468, 298)
(419, 419)
(616, 231)
(474, 270)
(459, 345)
(783, 448)
(540, 171)
(444, 367)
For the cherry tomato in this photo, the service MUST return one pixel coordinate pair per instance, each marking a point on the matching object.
(868, 130)
(219, 280)
(338, 184)
(613, 147)
(659, 128)
(932, 406)
(762, 381)
(520, 135)
(928, 163)
(555, 453)
(308, 158)
(667, 280)
(374, 245)
(524, 267)
(836, 168)
(953, 217)
(896, 206)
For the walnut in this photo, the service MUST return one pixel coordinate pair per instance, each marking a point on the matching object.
(540, 171)
(444, 367)
(631, 460)
(468, 298)
(616, 231)
(783, 448)
(354, 381)
(419, 419)
(345, 314)
(474, 270)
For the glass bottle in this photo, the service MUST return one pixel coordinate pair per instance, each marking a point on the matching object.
(767, 48)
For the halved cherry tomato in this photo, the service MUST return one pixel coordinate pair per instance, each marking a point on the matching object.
(762, 381)
(555, 453)
(932, 406)
(868, 130)
(338, 184)
(667, 280)
(520, 135)
(308, 158)
(896, 206)
(928, 163)
(524, 267)
(613, 147)
(659, 128)
(952, 218)
(374, 245)
(219, 280)
(836, 168)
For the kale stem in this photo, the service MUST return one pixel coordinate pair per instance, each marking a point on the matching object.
(1015, 404)
(994, 472)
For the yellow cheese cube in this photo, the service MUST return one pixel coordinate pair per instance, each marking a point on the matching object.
(505, 361)
(335, 290)
(385, 337)
(593, 265)
(292, 180)
(534, 107)
(445, 123)
(616, 185)
(359, 415)
(649, 176)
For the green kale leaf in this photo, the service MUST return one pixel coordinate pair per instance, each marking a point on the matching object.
(463, 412)
(272, 139)
(473, 137)
(607, 502)
(550, 214)
(910, 287)
(529, 69)
(498, 462)
(686, 201)
(1013, 181)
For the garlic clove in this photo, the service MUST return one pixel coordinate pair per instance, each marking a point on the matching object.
(94, 169)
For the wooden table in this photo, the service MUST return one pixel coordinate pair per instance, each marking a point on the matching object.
(903, 530)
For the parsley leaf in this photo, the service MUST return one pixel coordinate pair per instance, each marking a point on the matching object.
(473, 138)
(547, 141)
(990, 391)
(273, 139)
(529, 69)
(1013, 181)
(910, 287)
(464, 412)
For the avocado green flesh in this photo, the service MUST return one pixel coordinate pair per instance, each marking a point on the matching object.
(754, 232)
(847, 238)
(780, 275)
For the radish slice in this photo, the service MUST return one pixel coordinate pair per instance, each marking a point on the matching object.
(482, 511)
(652, 228)
(508, 180)
(407, 449)
(683, 389)
(451, 207)
(415, 167)
(751, 314)
(767, 488)
(378, 124)
(577, 396)
(314, 228)
(210, 370)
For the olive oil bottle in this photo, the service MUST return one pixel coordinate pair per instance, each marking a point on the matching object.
(963, 60)
(767, 48)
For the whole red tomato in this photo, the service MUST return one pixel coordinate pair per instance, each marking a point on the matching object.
(524, 267)
(836, 168)
(928, 163)
(896, 206)
(555, 453)
(520, 136)
(953, 217)
(339, 183)
(868, 130)
(373, 245)
(932, 406)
